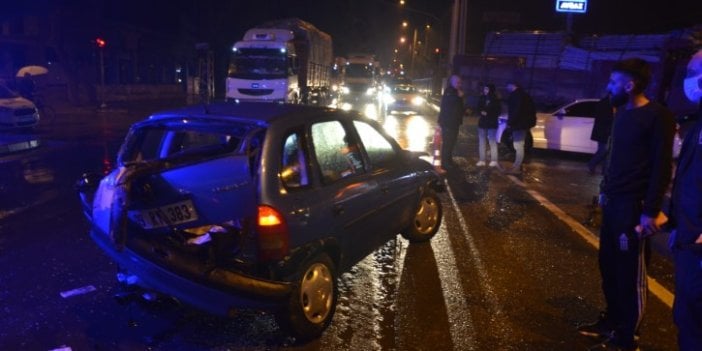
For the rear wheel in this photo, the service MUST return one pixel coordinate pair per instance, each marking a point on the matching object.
(311, 305)
(426, 220)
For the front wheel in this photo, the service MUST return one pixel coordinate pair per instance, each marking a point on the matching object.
(312, 302)
(426, 220)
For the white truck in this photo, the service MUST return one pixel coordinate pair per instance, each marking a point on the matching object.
(286, 60)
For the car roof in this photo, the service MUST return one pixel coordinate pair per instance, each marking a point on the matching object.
(262, 113)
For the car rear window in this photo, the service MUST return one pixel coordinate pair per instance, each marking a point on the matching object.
(174, 142)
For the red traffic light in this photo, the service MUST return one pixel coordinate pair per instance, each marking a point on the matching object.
(100, 42)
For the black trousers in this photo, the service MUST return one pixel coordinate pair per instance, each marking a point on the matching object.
(623, 266)
(448, 142)
(687, 309)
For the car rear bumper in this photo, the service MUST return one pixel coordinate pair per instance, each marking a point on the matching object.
(219, 291)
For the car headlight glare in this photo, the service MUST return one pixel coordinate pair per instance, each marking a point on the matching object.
(417, 100)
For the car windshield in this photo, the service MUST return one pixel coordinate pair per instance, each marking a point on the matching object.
(258, 64)
(357, 70)
(6, 93)
(179, 143)
(403, 89)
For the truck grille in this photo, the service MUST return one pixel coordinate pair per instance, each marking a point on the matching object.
(256, 92)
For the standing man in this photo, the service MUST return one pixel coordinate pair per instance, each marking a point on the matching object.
(631, 195)
(521, 117)
(686, 240)
(604, 115)
(450, 119)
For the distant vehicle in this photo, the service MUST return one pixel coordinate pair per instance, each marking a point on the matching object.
(404, 98)
(16, 112)
(360, 88)
(257, 206)
(281, 61)
(566, 129)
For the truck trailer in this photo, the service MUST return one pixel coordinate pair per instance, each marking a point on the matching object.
(286, 60)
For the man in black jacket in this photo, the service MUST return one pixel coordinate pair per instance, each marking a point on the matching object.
(637, 176)
(521, 117)
(450, 119)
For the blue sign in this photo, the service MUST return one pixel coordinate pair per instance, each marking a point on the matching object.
(575, 6)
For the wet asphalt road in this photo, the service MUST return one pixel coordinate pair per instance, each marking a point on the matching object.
(503, 273)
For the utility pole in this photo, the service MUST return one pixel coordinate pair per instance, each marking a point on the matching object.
(101, 51)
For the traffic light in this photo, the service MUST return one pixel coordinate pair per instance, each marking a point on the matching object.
(100, 42)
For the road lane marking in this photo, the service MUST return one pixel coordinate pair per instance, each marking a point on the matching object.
(459, 318)
(654, 286)
(493, 302)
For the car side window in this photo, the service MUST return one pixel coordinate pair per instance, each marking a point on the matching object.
(336, 151)
(294, 170)
(582, 109)
(378, 148)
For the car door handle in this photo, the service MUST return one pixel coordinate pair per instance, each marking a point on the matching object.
(338, 209)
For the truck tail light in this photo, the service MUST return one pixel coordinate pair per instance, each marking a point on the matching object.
(273, 235)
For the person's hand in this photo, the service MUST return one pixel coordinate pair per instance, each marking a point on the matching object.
(699, 239)
(651, 225)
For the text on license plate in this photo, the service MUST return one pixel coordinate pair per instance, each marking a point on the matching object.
(177, 213)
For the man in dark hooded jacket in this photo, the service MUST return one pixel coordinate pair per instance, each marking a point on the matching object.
(450, 119)
(521, 116)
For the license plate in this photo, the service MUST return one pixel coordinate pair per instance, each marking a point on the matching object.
(164, 216)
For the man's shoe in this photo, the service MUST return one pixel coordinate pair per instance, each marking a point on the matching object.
(514, 171)
(602, 328)
(480, 163)
(493, 164)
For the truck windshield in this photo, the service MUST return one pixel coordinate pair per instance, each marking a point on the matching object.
(258, 64)
(357, 70)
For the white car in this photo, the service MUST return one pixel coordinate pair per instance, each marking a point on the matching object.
(16, 111)
(566, 129)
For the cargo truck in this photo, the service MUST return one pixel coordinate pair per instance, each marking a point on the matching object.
(286, 61)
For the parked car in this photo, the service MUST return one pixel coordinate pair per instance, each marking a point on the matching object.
(566, 129)
(16, 112)
(256, 205)
(404, 98)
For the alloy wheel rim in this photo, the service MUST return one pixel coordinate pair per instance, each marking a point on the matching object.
(427, 215)
(316, 293)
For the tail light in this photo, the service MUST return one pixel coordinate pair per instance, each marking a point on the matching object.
(273, 235)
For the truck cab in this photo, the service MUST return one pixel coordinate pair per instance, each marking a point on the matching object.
(263, 67)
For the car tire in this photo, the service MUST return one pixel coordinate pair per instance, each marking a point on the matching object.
(425, 219)
(312, 302)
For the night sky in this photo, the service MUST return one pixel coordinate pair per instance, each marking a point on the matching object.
(374, 25)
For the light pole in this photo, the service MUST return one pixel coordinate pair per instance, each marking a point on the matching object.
(101, 48)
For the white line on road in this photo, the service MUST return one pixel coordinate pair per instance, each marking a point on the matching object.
(493, 302)
(656, 288)
(459, 318)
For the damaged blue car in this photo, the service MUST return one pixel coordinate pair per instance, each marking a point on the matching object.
(257, 206)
